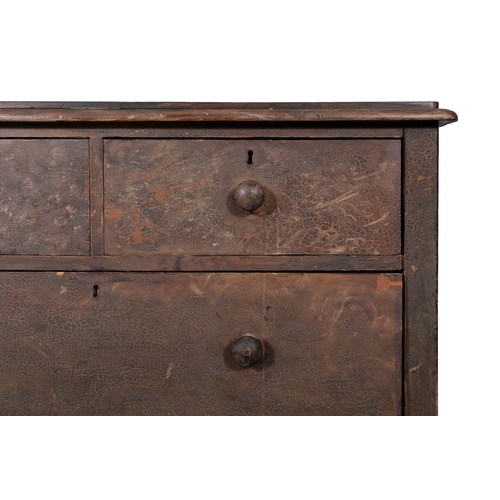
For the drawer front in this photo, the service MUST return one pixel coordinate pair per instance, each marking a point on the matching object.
(44, 205)
(243, 197)
(162, 344)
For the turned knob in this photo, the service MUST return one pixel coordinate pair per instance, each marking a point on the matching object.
(247, 350)
(249, 195)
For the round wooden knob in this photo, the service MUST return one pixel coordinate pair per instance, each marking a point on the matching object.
(249, 195)
(247, 350)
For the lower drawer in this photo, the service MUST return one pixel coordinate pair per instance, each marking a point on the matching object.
(166, 343)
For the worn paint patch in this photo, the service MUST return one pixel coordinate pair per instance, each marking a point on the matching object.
(169, 372)
(114, 214)
(137, 235)
(383, 283)
(132, 176)
(160, 193)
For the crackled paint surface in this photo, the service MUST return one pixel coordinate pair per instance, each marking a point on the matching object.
(322, 196)
(421, 251)
(44, 200)
(156, 344)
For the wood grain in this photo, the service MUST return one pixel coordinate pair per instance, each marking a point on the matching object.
(442, 116)
(216, 105)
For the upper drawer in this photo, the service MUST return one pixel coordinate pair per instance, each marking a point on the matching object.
(44, 200)
(305, 196)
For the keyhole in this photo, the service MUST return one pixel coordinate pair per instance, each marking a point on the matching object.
(95, 291)
(249, 157)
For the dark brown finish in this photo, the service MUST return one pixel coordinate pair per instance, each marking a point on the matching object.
(247, 350)
(265, 130)
(211, 114)
(155, 344)
(420, 237)
(201, 106)
(205, 263)
(323, 196)
(96, 195)
(44, 204)
(249, 196)
(304, 282)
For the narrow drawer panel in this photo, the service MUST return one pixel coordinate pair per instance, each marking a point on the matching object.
(164, 344)
(253, 197)
(44, 197)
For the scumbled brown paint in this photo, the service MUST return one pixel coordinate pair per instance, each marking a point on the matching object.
(215, 112)
(44, 197)
(420, 236)
(148, 332)
(177, 196)
(178, 262)
(154, 344)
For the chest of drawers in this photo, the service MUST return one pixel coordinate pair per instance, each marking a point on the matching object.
(223, 259)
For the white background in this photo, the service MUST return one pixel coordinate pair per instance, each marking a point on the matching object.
(286, 51)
